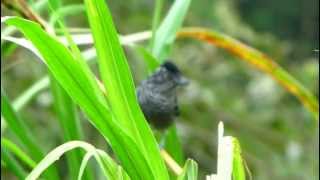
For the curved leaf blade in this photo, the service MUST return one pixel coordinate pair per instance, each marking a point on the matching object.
(258, 60)
(79, 82)
(118, 82)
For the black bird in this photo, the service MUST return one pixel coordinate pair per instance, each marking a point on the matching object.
(157, 95)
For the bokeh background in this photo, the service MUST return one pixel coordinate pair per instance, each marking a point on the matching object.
(278, 136)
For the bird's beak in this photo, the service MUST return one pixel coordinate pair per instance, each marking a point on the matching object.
(182, 81)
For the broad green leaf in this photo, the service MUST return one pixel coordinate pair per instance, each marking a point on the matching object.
(64, 106)
(79, 82)
(89, 54)
(190, 171)
(118, 82)
(166, 32)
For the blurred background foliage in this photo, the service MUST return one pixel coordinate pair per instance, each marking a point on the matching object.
(278, 136)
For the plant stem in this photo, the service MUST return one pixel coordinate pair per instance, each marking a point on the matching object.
(172, 164)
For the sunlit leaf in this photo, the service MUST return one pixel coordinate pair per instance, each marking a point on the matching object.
(116, 76)
(76, 78)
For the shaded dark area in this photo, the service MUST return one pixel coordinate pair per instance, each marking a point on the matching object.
(293, 20)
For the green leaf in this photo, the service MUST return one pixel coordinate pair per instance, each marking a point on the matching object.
(190, 171)
(166, 33)
(173, 145)
(156, 20)
(55, 4)
(76, 78)
(113, 170)
(38, 6)
(238, 170)
(65, 11)
(152, 62)
(108, 166)
(28, 94)
(12, 147)
(118, 82)
(65, 107)
(12, 164)
(69, 122)
(20, 129)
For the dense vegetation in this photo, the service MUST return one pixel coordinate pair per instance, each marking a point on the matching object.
(252, 65)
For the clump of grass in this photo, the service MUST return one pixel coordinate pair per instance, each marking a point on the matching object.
(113, 110)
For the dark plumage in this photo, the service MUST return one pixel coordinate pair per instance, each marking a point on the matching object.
(157, 95)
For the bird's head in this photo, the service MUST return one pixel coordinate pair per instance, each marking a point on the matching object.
(167, 78)
(173, 74)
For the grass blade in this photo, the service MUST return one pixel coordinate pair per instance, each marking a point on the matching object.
(12, 164)
(161, 43)
(118, 82)
(259, 61)
(55, 4)
(65, 11)
(38, 6)
(190, 171)
(79, 82)
(104, 161)
(69, 122)
(166, 33)
(113, 170)
(152, 62)
(19, 128)
(156, 20)
(27, 95)
(173, 145)
(65, 107)
(83, 164)
(6, 143)
(238, 170)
